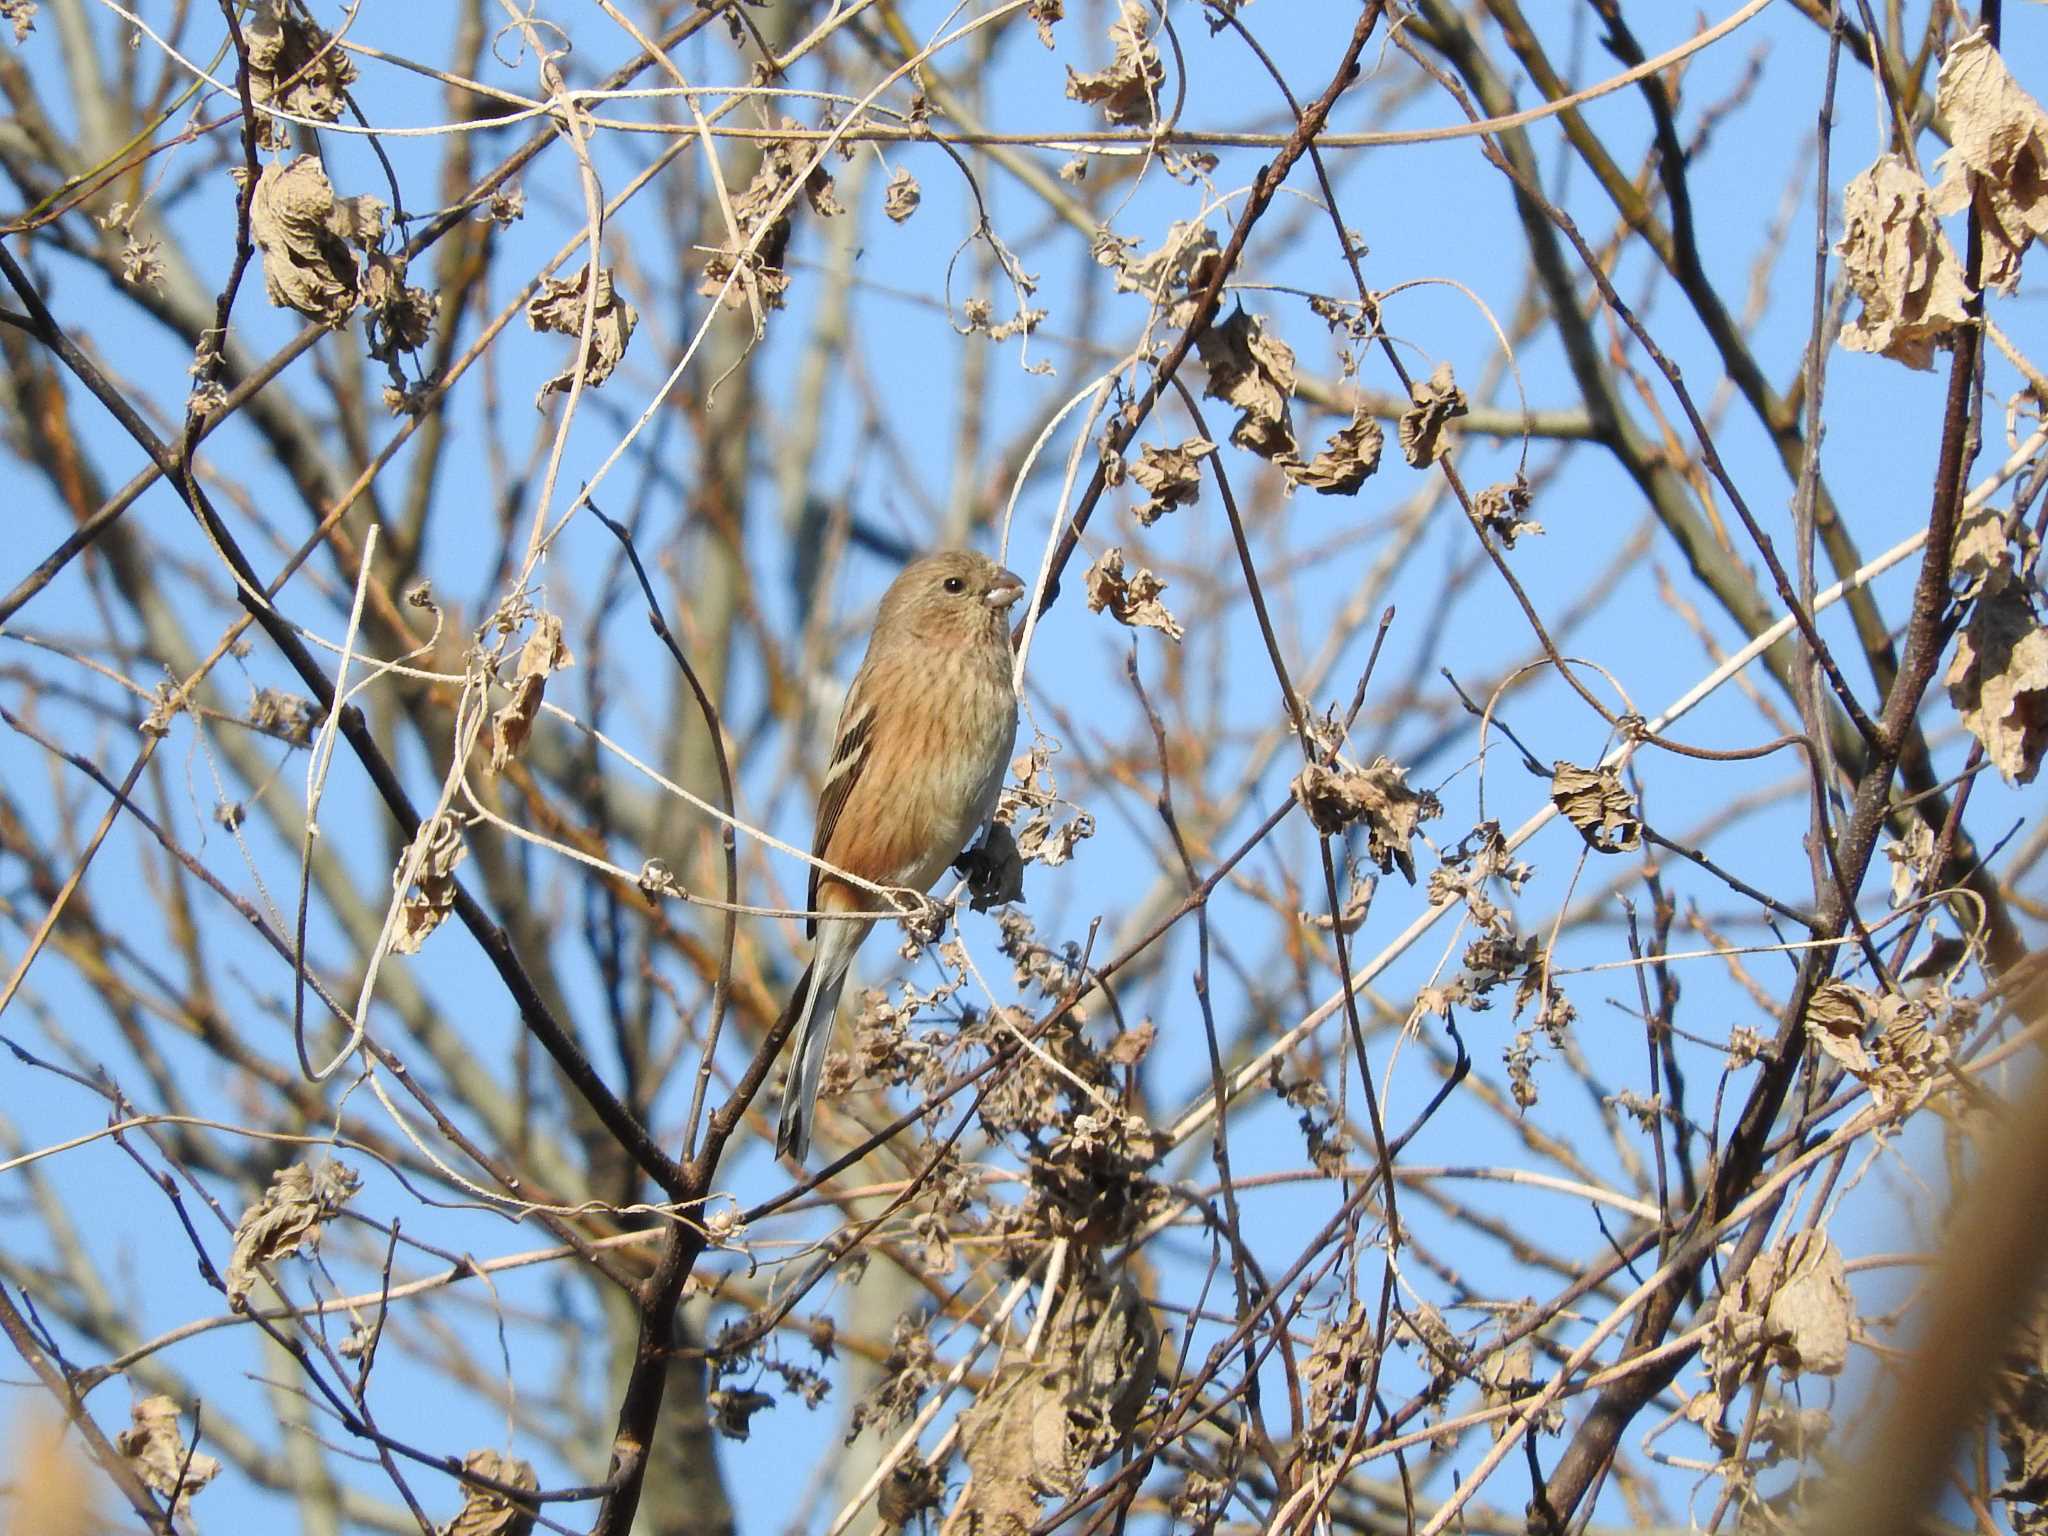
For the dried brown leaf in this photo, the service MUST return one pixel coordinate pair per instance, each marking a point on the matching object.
(305, 233)
(298, 1203)
(1254, 371)
(1810, 1309)
(401, 317)
(432, 895)
(558, 306)
(1596, 802)
(1998, 156)
(1438, 402)
(903, 195)
(1998, 682)
(1338, 795)
(543, 654)
(1042, 1423)
(154, 1446)
(1173, 476)
(1133, 601)
(1501, 510)
(294, 65)
(765, 206)
(1044, 13)
(485, 1511)
(21, 15)
(1170, 275)
(1127, 91)
(1350, 456)
(1899, 263)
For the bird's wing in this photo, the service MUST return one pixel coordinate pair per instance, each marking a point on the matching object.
(850, 754)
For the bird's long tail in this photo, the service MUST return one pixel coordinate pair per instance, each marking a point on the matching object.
(815, 1003)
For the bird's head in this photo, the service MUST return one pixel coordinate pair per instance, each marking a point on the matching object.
(955, 597)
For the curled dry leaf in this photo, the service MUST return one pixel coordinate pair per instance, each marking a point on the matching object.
(401, 317)
(1594, 801)
(288, 1217)
(1336, 795)
(1998, 682)
(1985, 561)
(1502, 508)
(1042, 1423)
(21, 15)
(903, 195)
(304, 232)
(485, 1511)
(1133, 601)
(1791, 1309)
(1128, 89)
(294, 65)
(1172, 476)
(1254, 372)
(558, 306)
(543, 655)
(1026, 809)
(432, 894)
(1170, 276)
(1352, 454)
(765, 207)
(1898, 1062)
(1998, 156)
(1044, 13)
(1438, 401)
(154, 1446)
(1899, 263)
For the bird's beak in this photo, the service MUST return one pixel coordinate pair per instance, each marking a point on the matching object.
(1005, 590)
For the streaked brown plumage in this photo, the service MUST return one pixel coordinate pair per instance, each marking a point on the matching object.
(917, 763)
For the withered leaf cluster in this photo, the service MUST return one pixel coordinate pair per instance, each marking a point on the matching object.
(544, 654)
(1028, 809)
(1346, 461)
(431, 896)
(300, 1201)
(294, 65)
(902, 196)
(154, 1445)
(1437, 403)
(485, 1511)
(1898, 261)
(1998, 677)
(1045, 1420)
(766, 207)
(1127, 90)
(1791, 1310)
(1599, 805)
(1131, 600)
(1253, 370)
(308, 238)
(1172, 276)
(1896, 257)
(1337, 795)
(1885, 1043)
(558, 305)
(1502, 510)
(1998, 155)
(1171, 476)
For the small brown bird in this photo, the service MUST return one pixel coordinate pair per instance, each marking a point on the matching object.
(917, 765)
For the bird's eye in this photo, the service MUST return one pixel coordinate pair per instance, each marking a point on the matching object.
(955, 585)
